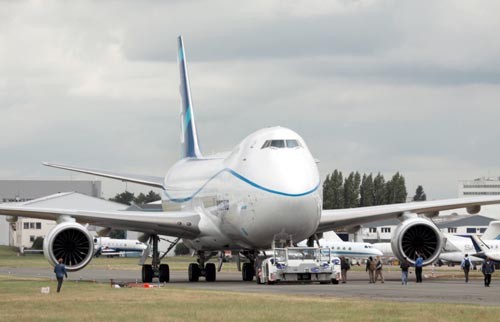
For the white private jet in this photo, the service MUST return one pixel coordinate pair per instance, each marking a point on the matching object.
(266, 189)
(340, 248)
(483, 250)
(106, 246)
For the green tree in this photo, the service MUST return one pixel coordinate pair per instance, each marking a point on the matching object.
(351, 190)
(400, 193)
(333, 191)
(395, 189)
(419, 194)
(327, 193)
(337, 187)
(144, 199)
(379, 190)
(366, 191)
(125, 198)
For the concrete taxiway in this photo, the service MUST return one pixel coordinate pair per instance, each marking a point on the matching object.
(448, 289)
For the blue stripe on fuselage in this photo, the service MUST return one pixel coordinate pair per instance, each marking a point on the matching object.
(242, 178)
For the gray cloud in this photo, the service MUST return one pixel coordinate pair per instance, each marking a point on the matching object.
(371, 85)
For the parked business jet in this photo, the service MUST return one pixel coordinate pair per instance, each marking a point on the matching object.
(483, 250)
(265, 191)
(106, 246)
(338, 247)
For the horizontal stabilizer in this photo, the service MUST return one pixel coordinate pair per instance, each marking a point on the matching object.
(156, 182)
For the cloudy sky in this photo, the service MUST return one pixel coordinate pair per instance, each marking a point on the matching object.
(372, 86)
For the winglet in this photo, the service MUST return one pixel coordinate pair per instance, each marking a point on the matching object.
(189, 136)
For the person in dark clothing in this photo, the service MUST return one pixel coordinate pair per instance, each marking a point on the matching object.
(370, 268)
(344, 267)
(60, 270)
(405, 265)
(487, 268)
(466, 265)
(419, 263)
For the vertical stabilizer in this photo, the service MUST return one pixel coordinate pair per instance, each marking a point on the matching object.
(478, 244)
(189, 136)
(493, 231)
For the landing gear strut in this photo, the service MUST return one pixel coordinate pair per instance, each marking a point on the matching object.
(156, 269)
(198, 269)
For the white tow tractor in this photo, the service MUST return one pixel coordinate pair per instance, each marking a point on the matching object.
(299, 264)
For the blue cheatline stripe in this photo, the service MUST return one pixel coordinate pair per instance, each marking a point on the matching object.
(242, 178)
(239, 176)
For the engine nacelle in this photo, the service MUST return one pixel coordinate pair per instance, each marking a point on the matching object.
(473, 210)
(70, 241)
(417, 235)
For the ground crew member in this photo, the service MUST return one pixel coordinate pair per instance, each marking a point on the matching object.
(378, 270)
(60, 270)
(465, 265)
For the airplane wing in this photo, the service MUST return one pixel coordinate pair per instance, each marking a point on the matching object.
(182, 224)
(156, 182)
(334, 218)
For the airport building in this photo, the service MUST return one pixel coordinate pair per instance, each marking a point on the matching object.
(479, 187)
(23, 232)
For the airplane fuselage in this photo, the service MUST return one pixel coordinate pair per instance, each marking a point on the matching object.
(267, 186)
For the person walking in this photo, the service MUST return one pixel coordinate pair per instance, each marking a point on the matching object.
(487, 268)
(344, 267)
(370, 268)
(405, 266)
(466, 265)
(378, 270)
(60, 270)
(419, 263)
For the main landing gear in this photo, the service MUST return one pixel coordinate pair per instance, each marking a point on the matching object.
(201, 268)
(156, 269)
(248, 271)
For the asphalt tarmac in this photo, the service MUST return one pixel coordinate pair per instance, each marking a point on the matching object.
(449, 288)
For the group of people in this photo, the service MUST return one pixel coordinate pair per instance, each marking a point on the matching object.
(487, 268)
(405, 268)
(374, 267)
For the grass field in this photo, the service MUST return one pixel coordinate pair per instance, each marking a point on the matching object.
(21, 300)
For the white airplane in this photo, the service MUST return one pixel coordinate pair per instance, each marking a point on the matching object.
(485, 251)
(340, 248)
(107, 246)
(265, 191)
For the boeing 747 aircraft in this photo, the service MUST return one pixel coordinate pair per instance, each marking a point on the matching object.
(266, 190)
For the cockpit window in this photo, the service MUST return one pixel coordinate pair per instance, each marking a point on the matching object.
(280, 144)
(292, 144)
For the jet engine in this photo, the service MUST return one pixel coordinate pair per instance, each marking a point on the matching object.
(70, 241)
(417, 235)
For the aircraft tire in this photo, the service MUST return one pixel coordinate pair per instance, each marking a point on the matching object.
(164, 273)
(247, 272)
(210, 272)
(194, 272)
(147, 273)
